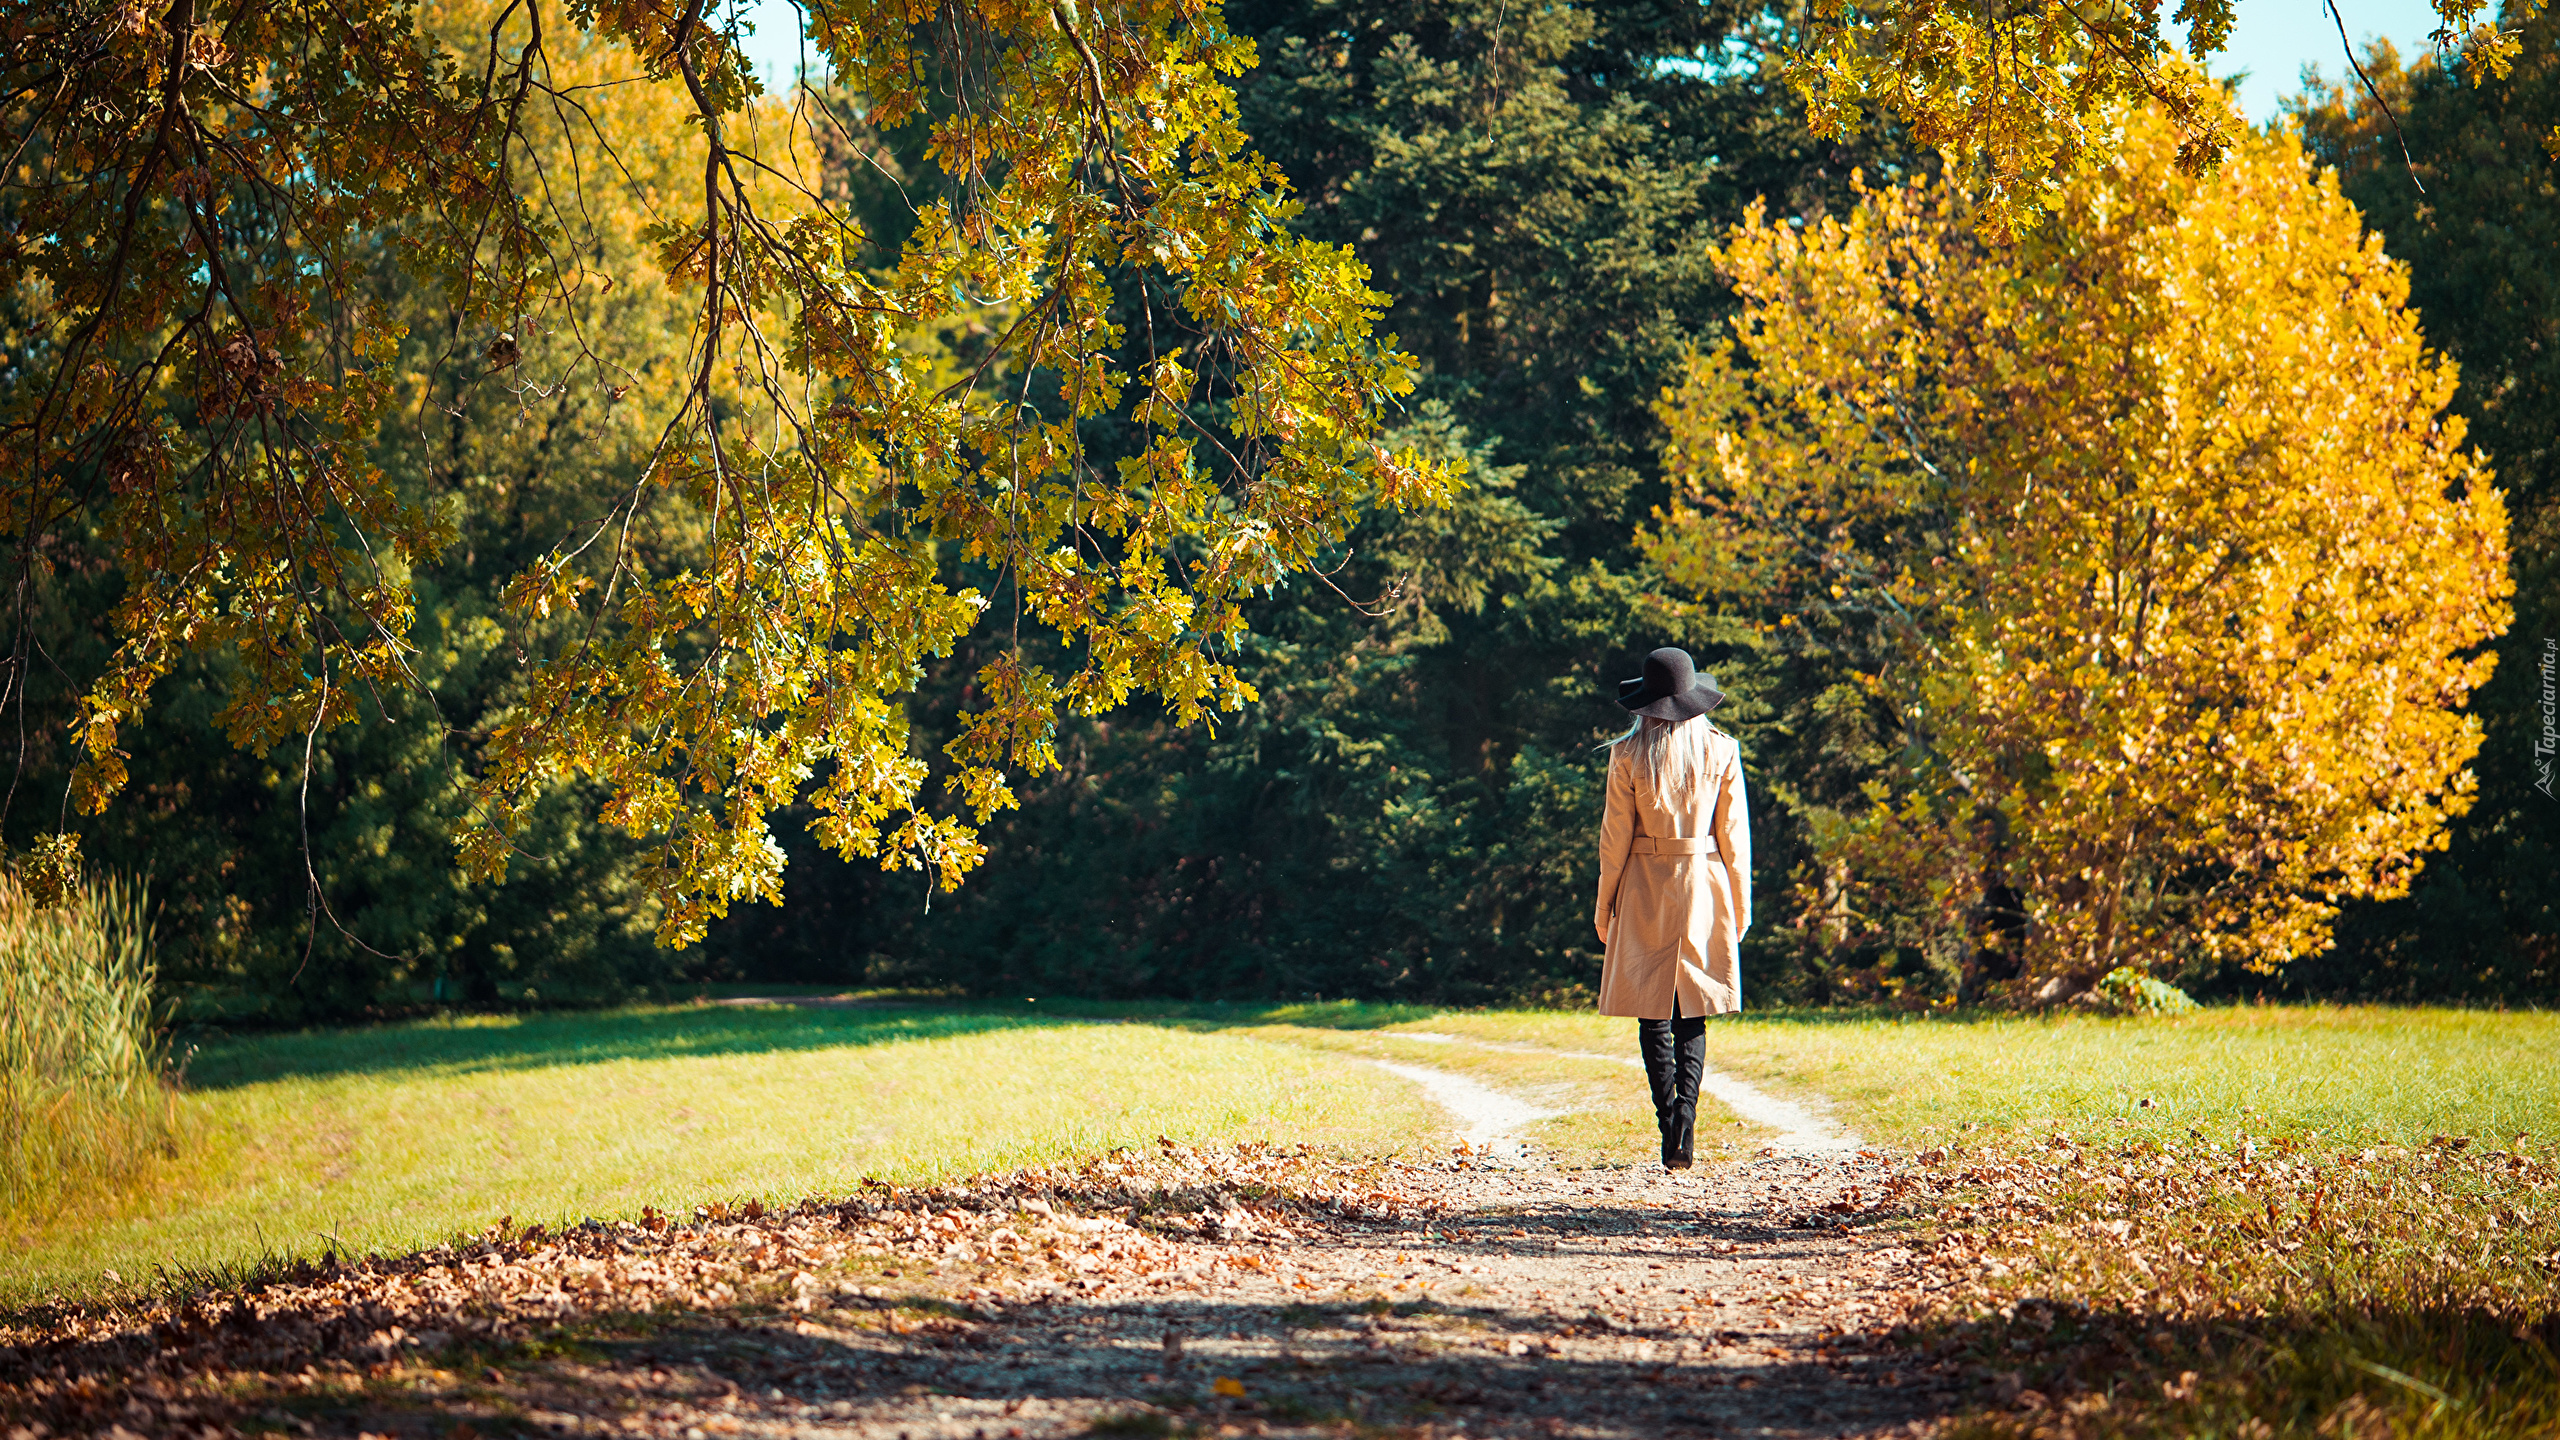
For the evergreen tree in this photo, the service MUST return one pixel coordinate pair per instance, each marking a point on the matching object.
(2482, 243)
(1408, 807)
(315, 878)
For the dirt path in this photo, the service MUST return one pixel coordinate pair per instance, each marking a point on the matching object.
(1802, 1128)
(1189, 1292)
(1509, 1301)
(1486, 1117)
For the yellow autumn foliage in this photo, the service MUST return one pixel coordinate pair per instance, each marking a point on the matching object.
(2172, 565)
(2021, 99)
(1174, 402)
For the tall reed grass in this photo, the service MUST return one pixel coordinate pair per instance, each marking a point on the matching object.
(83, 1094)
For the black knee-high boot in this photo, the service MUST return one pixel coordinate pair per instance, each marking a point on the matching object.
(1661, 1072)
(1675, 1056)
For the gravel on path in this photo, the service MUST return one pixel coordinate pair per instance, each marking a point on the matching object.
(1501, 1300)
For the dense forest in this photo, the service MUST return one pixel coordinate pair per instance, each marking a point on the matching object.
(1406, 809)
(2482, 243)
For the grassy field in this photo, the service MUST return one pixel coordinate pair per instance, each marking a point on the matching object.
(2263, 1222)
(1606, 1112)
(384, 1138)
(2333, 1223)
(81, 1100)
(2354, 1076)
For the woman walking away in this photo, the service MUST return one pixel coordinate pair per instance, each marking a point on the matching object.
(1675, 883)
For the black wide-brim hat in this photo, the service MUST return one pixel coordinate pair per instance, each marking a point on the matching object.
(1670, 688)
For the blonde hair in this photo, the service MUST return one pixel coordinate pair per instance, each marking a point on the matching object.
(1672, 756)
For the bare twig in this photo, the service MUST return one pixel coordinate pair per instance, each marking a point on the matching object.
(2370, 89)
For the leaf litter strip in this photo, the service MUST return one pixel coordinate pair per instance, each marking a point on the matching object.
(1253, 1291)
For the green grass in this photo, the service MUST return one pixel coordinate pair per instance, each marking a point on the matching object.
(2291, 1288)
(82, 1100)
(2334, 1275)
(2363, 1075)
(1607, 1114)
(2337, 1275)
(384, 1138)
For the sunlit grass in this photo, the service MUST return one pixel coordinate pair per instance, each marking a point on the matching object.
(2362, 1075)
(385, 1138)
(1606, 1111)
(82, 1099)
(2310, 1264)
(2277, 1289)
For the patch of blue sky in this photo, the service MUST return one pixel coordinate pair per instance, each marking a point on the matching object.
(2272, 43)
(1736, 55)
(775, 48)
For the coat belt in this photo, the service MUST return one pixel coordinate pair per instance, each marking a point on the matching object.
(1673, 845)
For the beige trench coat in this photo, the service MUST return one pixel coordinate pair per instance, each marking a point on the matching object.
(1675, 888)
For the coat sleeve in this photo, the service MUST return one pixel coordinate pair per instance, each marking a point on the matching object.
(1733, 837)
(1617, 833)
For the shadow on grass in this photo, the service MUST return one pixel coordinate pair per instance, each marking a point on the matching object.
(737, 1025)
(505, 1043)
(732, 1026)
(1363, 1015)
(2355, 1371)
(888, 1351)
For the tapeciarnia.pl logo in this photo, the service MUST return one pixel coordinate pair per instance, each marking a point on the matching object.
(2550, 738)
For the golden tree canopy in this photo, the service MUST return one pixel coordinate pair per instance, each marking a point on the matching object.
(2176, 565)
(2024, 97)
(204, 197)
